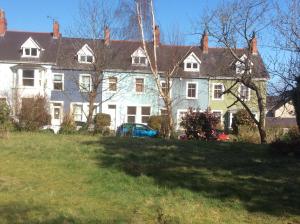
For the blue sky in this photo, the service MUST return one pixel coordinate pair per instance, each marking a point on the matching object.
(31, 15)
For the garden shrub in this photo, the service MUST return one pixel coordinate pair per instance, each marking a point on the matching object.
(5, 120)
(155, 122)
(241, 118)
(68, 125)
(102, 123)
(248, 134)
(34, 113)
(199, 124)
(289, 143)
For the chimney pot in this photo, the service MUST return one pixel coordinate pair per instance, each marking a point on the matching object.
(107, 36)
(3, 23)
(56, 33)
(157, 35)
(204, 42)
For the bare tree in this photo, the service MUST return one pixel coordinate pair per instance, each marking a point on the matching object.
(93, 28)
(287, 41)
(152, 50)
(237, 23)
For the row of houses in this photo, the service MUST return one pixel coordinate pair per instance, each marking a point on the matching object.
(60, 68)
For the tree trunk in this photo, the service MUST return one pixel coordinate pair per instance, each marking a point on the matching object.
(92, 99)
(170, 123)
(296, 102)
(261, 123)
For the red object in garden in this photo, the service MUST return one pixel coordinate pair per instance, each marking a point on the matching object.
(223, 137)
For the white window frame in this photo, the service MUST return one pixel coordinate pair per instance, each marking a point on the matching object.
(80, 81)
(249, 92)
(196, 92)
(145, 115)
(221, 111)
(192, 59)
(136, 83)
(213, 91)
(135, 115)
(62, 81)
(139, 59)
(34, 75)
(112, 77)
(82, 111)
(179, 111)
(85, 61)
(163, 81)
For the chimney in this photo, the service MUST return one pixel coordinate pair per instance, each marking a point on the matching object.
(106, 36)
(157, 35)
(3, 23)
(204, 42)
(56, 33)
(253, 44)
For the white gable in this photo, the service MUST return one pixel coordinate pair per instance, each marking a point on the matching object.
(85, 50)
(192, 58)
(139, 53)
(192, 63)
(30, 43)
(240, 67)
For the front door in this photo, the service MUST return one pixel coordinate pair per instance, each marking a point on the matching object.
(112, 113)
(57, 114)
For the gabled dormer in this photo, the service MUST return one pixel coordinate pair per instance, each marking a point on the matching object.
(240, 66)
(85, 55)
(31, 49)
(192, 63)
(139, 58)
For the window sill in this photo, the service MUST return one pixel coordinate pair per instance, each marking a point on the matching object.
(216, 99)
(191, 98)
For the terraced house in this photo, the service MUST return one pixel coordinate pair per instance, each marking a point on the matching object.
(61, 69)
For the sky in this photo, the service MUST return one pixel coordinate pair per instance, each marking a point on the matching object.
(37, 16)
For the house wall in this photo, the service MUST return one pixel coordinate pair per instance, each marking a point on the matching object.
(126, 95)
(285, 111)
(6, 81)
(228, 100)
(181, 102)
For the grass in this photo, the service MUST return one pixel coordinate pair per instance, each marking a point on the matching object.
(81, 179)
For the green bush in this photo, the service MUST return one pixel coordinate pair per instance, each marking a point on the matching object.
(241, 118)
(68, 125)
(5, 120)
(248, 134)
(155, 122)
(34, 113)
(102, 123)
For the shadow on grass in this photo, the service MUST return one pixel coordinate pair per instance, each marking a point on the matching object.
(14, 213)
(226, 171)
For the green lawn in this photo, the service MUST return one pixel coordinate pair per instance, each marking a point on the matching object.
(84, 179)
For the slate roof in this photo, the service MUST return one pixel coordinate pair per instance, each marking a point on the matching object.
(63, 51)
(11, 42)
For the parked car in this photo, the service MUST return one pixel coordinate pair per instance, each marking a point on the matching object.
(136, 130)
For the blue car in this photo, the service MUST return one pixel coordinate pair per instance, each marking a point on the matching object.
(136, 130)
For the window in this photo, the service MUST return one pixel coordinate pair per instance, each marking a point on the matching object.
(192, 63)
(85, 58)
(188, 65)
(163, 112)
(131, 114)
(30, 52)
(191, 90)
(58, 82)
(77, 112)
(244, 93)
(85, 83)
(28, 77)
(180, 115)
(57, 111)
(112, 84)
(139, 60)
(139, 85)
(145, 114)
(164, 87)
(217, 91)
(218, 114)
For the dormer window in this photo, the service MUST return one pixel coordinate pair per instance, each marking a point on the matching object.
(139, 57)
(192, 63)
(31, 48)
(240, 67)
(85, 55)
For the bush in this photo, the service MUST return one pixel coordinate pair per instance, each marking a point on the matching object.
(248, 134)
(155, 122)
(5, 120)
(289, 143)
(34, 113)
(241, 118)
(68, 125)
(198, 124)
(102, 123)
